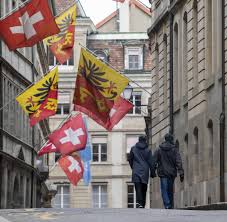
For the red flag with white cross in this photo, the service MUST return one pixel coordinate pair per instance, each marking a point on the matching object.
(73, 168)
(28, 25)
(48, 147)
(71, 137)
(120, 108)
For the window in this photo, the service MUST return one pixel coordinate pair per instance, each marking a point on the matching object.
(211, 143)
(99, 195)
(99, 152)
(131, 140)
(57, 156)
(186, 158)
(165, 70)
(61, 199)
(185, 51)
(53, 62)
(63, 104)
(63, 109)
(101, 54)
(175, 62)
(131, 196)
(136, 100)
(196, 152)
(134, 58)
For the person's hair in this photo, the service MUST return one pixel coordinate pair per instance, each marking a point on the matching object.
(169, 137)
(142, 138)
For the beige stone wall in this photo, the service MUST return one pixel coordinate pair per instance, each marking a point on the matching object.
(197, 98)
(139, 20)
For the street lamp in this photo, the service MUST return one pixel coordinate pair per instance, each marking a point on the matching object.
(127, 93)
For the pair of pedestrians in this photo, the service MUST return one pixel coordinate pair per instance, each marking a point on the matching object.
(166, 161)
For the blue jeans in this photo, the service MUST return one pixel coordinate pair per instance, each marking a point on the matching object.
(167, 191)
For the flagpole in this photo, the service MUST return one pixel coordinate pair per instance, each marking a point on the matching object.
(116, 69)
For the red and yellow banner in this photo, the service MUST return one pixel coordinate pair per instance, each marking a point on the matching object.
(40, 100)
(61, 44)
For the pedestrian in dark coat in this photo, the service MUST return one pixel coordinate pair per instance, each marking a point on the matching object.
(140, 158)
(167, 161)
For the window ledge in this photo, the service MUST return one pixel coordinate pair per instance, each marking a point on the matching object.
(100, 163)
(134, 71)
(210, 82)
(134, 115)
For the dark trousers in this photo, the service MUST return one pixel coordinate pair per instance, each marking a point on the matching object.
(141, 190)
(167, 191)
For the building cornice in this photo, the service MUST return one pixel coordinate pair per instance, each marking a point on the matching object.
(118, 36)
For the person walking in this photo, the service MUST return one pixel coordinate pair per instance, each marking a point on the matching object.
(139, 159)
(167, 161)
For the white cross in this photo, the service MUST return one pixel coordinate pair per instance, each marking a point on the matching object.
(27, 24)
(72, 136)
(74, 165)
(112, 112)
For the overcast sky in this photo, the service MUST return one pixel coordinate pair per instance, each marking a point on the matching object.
(99, 9)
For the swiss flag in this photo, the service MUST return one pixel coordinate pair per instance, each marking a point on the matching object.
(48, 147)
(28, 25)
(71, 137)
(73, 168)
(118, 111)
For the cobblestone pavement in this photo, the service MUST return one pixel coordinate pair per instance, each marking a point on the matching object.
(111, 215)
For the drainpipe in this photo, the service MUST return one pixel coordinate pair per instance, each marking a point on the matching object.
(171, 130)
(222, 116)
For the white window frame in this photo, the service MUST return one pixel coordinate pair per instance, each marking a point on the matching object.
(100, 194)
(129, 146)
(134, 51)
(61, 107)
(133, 101)
(62, 205)
(62, 67)
(100, 152)
(134, 195)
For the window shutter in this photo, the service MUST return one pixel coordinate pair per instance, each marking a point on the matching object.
(126, 59)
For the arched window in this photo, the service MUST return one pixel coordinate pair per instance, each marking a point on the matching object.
(165, 69)
(186, 154)
(211, 144)
(185, 51)
(175, 62)
(195, 43)
(102, 55)
(157, 76)
(196, 152)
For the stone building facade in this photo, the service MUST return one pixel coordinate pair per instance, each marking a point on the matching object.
(187, 43)
(22, 183)
(111, 176)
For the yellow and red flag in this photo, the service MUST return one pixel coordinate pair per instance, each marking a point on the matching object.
(61, 44)
(107, 81)
(97, 88)
(41, 99)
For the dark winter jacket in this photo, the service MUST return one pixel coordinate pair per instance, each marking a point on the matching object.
(167, 160)
(140, 158)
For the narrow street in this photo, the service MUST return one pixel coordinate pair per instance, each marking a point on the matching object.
(110, 215)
